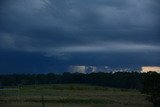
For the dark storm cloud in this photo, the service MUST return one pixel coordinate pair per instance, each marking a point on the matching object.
(67, 29)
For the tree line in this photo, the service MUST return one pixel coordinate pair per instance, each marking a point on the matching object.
(118, 79)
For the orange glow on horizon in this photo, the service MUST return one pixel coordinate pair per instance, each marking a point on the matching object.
(151, 68)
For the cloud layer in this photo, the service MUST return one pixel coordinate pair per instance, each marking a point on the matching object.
(68, 29)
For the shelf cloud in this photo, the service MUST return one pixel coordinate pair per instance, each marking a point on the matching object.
(68, 29)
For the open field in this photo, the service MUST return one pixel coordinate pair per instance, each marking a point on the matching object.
(71, 95)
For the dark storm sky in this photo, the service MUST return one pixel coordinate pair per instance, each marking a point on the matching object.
(38, 36)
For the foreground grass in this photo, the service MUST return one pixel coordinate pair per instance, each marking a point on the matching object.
(71, 95)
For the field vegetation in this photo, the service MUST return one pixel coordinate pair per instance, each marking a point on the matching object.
(71, 95)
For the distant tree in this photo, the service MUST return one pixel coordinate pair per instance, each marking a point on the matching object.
(51, 78)
(1, 85)
(151, 86)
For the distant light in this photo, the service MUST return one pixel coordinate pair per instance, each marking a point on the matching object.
(78, 69)
(151, 68)
(82, 69)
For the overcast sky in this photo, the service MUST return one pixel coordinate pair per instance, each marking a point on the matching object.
(49, 35)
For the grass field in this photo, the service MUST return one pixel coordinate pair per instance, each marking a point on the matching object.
(71, 95)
